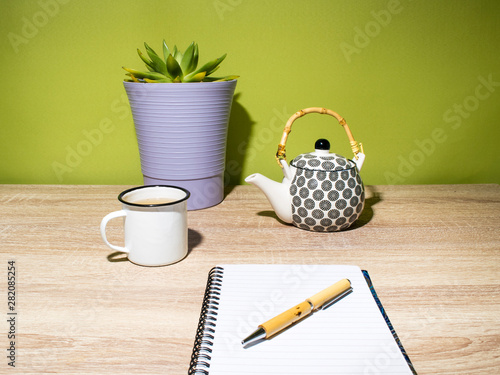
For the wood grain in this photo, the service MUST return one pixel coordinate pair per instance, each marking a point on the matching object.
(433, 253)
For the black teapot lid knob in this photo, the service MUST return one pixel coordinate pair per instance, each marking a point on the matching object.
(322, 144)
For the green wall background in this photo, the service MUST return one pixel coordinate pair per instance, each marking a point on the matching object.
(417, 81)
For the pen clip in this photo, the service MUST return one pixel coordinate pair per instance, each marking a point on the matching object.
(335, 299)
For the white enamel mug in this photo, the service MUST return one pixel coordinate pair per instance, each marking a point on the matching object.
(155, 224)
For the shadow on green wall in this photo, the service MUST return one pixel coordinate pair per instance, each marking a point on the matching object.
(240, 128)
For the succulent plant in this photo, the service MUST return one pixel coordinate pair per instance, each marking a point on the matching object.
(175, 66)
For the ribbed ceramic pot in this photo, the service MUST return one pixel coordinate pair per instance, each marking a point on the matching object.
(181, 131)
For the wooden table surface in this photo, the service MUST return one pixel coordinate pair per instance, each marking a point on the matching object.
(433, 253)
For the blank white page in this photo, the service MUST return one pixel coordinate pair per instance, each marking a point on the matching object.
(349, 337)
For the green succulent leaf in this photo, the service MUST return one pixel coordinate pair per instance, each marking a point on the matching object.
(166, 51)
(220, 79)
(175, 66)
(206, 67)
(131, 79)
(177, 54)
(143, 58)
(228, 78)
(174, 69)
(187, 59)
(216, 66)
(165, 80)
(149, 75)
(188, 77)
(150, 51)
(195, 78)
(156, 62)
(210, 66)
(213, 70)
(194, 61)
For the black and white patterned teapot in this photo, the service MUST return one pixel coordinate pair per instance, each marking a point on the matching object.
(320, 191)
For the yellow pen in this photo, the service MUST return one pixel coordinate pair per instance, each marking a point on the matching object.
(322, 299)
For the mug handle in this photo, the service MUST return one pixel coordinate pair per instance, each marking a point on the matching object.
(104, 222)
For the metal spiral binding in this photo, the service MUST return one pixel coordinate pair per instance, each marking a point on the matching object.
(201, 356)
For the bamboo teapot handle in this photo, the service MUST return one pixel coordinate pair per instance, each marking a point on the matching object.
(281, 153)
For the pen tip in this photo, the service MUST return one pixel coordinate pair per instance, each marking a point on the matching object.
(258, 335)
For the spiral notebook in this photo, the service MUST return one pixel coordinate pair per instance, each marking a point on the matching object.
(352, 336)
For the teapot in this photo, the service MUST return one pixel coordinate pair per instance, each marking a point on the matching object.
(320, 191)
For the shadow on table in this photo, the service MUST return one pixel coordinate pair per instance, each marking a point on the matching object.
(228, 189)
(365, 217)
(367, 214)
(194, 239)
(273, 215)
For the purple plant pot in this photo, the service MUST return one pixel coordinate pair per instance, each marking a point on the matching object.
(181, 130)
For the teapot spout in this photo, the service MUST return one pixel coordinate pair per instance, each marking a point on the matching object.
(277, 193)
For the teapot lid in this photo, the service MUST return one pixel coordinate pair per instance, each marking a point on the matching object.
(322, 160)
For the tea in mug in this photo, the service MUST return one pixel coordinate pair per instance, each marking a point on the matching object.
(148, 201)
